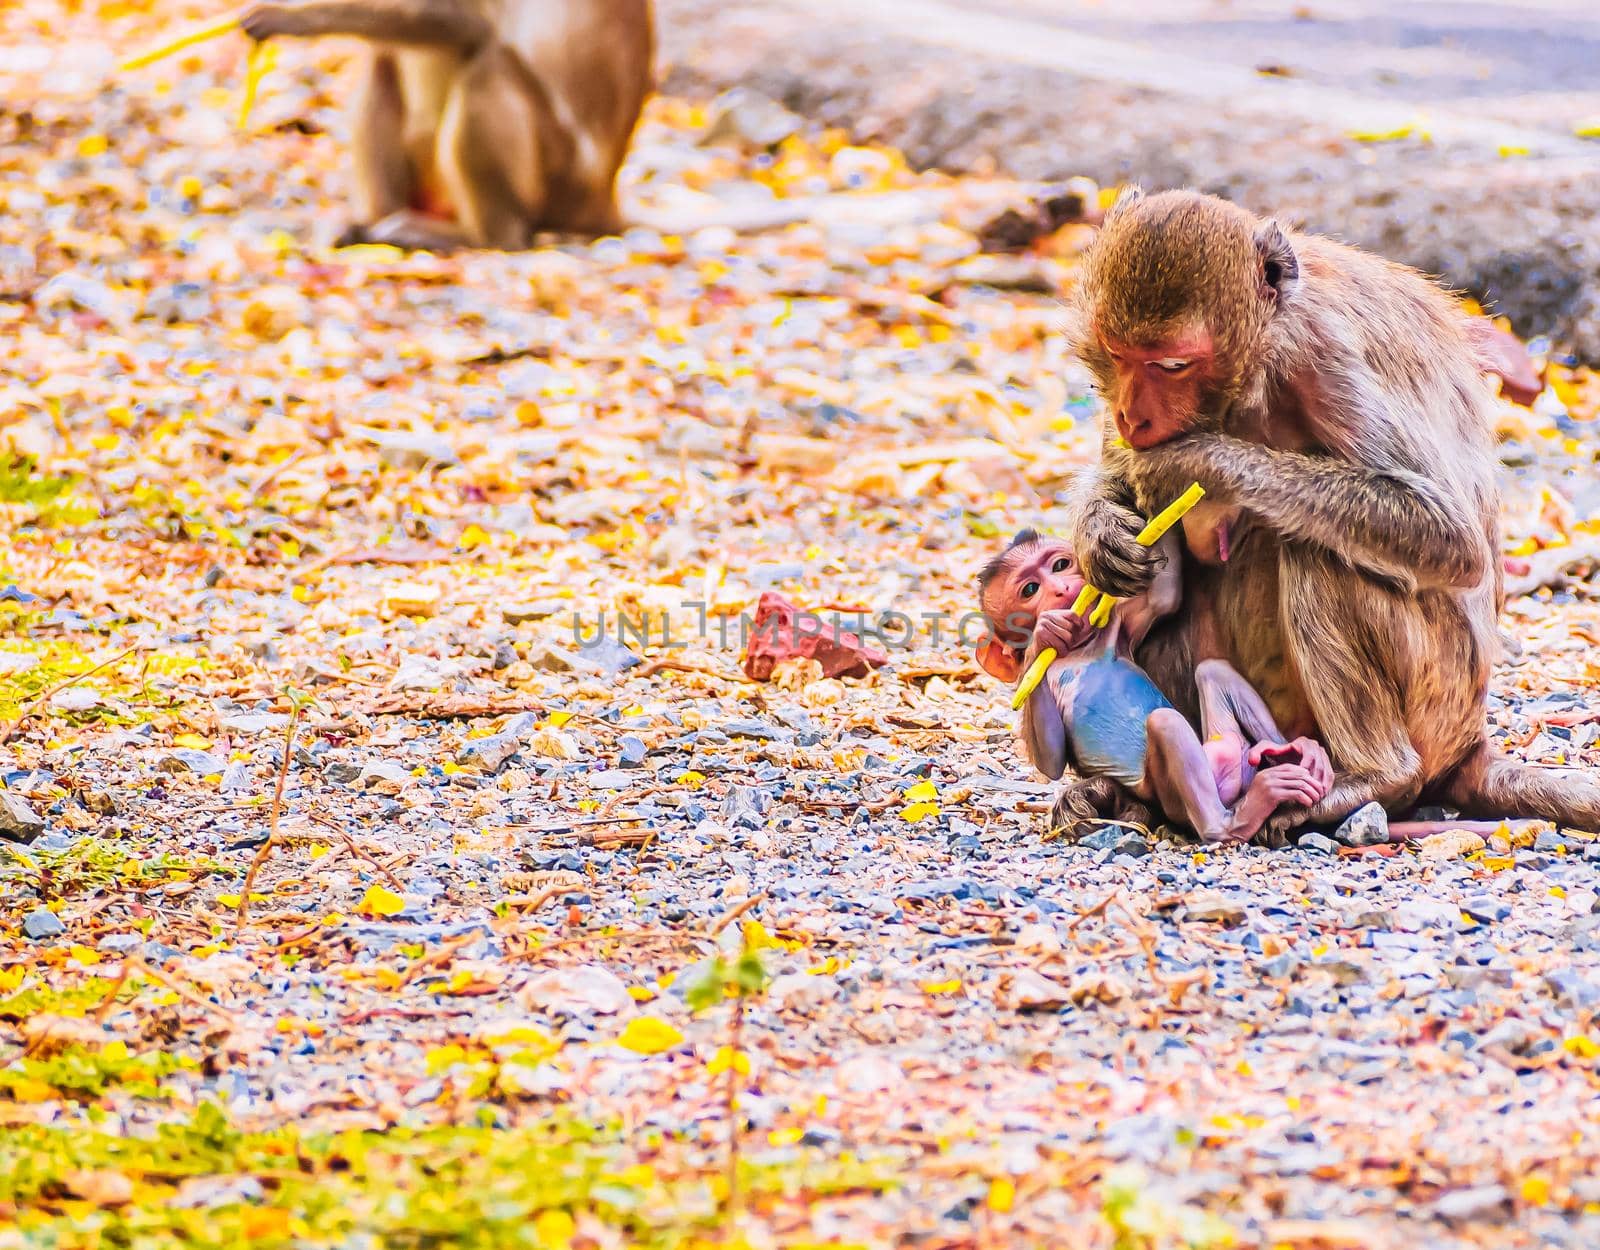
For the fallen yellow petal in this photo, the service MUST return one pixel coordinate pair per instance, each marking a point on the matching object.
(379, 901)
(649, 1036)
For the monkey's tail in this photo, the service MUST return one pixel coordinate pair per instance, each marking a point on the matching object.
(1491, 785)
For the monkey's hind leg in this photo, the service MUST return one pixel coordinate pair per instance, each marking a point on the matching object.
(382, 180)
(489, 154)
(1494, 787)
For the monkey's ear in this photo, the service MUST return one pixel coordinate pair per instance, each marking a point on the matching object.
(998, 660)
(1280, 267)
(1126, 199)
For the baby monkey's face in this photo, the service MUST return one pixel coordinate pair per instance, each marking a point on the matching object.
(1036, 577)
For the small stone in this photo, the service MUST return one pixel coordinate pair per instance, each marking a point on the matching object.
(750, 802)
(1550, 842)
(1366, 826)
(522, 613)
(1451, 844)
(1209, 905)
(1023, 989)
(1511, 1035)
(1477, 1203)
(1320, 843)
(610, 656)
(584, 988)
(632, 751)
(411, 599)
(41, 923)
(1131, 843)
(384, 771)
(18, 821)
(253, 722)
(1486, 909)
(549, 659)
(120, 943)
(75, 699)
(799, 991)
(408, 449)
(100, 802)
(750, 117)
(1573, 990)
(1416, 914)
(1037, 939)
(489, 754)
(188, 760)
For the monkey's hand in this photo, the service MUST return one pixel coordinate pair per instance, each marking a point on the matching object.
(1308, 753)
(268, 21)
(1061, 630)
(1109, 554)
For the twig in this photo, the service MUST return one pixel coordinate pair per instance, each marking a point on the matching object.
(104, 1009)
(261, 856)
(177, 987)
(733, 1110)
(56, 689)
(441, 956)
(1097, 910)
(665, 664)
(360, 852)
(729, 917)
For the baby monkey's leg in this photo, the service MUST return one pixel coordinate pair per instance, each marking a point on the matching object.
(1179, 776)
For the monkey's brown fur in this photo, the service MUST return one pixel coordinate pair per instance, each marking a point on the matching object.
(1344, 418)
(481, 122)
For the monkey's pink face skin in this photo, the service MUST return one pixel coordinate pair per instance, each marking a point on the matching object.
(1158, 389)
(1041, 577)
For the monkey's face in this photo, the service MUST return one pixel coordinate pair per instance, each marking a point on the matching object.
(1156, 393)
(1033, 579)
(1177, 297)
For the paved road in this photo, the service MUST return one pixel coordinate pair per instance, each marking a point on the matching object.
(1490, 184)
(1501, 58)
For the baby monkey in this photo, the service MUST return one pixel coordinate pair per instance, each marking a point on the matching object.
(1097, 711)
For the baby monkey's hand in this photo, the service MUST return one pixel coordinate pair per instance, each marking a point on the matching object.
(1062, 629)
(1308, 753)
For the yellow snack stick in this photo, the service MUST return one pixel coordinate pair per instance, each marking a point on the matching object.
(1085, 597)
(263, 56)
(211, 31)
(1102, 611)
(1170, 515)
(1031, 679)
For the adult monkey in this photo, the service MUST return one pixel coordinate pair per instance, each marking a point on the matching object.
(481, 122)
(1331, 405)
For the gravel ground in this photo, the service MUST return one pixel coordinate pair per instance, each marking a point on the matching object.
(430, 975)
(1515, 232)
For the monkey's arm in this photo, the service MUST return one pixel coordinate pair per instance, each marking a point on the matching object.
(1044, 729)
(1392, 522)
(1164, 596)
(426, 23)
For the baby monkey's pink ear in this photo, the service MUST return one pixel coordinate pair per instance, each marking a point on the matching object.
(999, 660)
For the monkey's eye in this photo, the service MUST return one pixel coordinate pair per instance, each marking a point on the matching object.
(1061, 565)
(1030, 590)
(1173, 365)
